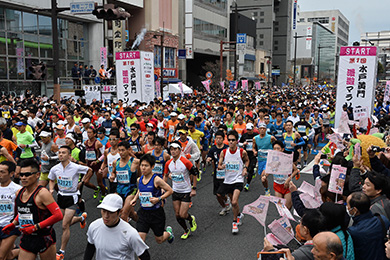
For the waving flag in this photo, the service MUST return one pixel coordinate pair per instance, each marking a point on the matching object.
(257, 84)
(181, 89)
(158, 91)
(258, 209)
(222, 86)
(206, 85)
(244, 85)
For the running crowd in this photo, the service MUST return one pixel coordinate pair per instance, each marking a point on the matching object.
(147, 153)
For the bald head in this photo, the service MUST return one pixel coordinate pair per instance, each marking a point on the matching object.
(327, 246)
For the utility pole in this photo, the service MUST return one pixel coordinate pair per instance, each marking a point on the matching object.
(56, 67)
(295, 51)
(162, 62)
(235, 35)
(221, 50)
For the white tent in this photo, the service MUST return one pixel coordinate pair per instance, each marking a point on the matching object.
(174, 88)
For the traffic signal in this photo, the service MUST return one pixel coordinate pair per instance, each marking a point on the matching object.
(110, 12)
(38, 72)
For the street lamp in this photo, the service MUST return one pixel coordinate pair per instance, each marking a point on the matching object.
(295, 50)
(318, 65)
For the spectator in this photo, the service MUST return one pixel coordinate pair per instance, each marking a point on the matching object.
(368, 231)
(102, 75)
(327, 246)
(87, 73)
(75, 75)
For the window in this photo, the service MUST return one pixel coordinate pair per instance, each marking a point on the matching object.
(261, 43)
(209, 29)
(301, 20)
(169, 57)
(261, 13)
(276, 29)
(262, 67)
(157, 56)
(261, 20)
(275, 48)
(319, 19)
(254, 13)
(276, 42)
(220, 4)
(249, 65)
(261, 36)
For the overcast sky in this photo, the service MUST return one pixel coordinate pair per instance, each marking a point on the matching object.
(364, 16)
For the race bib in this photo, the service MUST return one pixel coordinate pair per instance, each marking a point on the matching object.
(6, 207)
(144, 197)
(262, 153)
(301, 128)
(123, 177)
(110, 169)
(90, 155)
(220, 174)
(64, 183)
(43, 162)
(108, 131)
(158, 169)
(135, 148)
(177, 177)
(171, 130)
(288, 144)
(25, 219)
(233, 167)
(249, 146)
(279, 133)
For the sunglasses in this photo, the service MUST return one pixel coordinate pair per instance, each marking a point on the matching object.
(113, 139)
(133, 129)
(231, 140)
(27, 174)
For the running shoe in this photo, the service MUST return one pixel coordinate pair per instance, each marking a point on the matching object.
(96, 192)
(60, 255)
(298, 176)
(186, 234)
(234, 228)
(101, 199)
(246, 188)
(305, 164)
(193, 224)
(228, 205)
(239, 219)
(199, 176)
(171, 236)
(267, 192)
(299, 166)
(82, 223)
(190, 206)
(223, 211)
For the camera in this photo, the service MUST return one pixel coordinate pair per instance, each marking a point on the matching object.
(377, 149)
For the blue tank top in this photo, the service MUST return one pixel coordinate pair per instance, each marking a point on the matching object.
(263, 144)
(279, 131)
(146, 191)
(288, 140)
(135, 144)
(159, 165)
(201, 127)
(127, 180)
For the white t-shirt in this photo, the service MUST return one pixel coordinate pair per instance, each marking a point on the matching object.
(7, 202)
(68, 177)
(125, 238)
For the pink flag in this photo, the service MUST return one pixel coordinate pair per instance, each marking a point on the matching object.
(281, 206)
(181, 89)
(280, 232)
(158, 91)
(244, 85)
(337, 179)
(258, 209)
(222, 86)
(273, 239)
(309, 201)
(236, 86)
(258, 86)
(307, 188)
(206, 85)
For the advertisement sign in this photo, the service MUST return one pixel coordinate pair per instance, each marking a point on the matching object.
(117, 35)
(135, 76)
(356, 80)
(20, 62)
(103, 56)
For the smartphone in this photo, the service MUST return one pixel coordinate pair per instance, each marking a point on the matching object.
(358, 150)
(275, 255)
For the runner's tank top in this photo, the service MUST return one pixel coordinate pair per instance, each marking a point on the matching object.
(30, 213)
(146, 191)
(127, 180)
(159, 165)
(234, 165)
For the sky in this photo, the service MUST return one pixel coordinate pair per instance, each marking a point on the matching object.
(364, 16)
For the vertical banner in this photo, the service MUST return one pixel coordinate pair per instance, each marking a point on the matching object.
(135, 76)
(356, 78)
(206, 85)
(236, 86)
(181, 89)
(158, 90)
(222, 86)
(147, 76)
(294, 22)
(257, 84)
(232, 85)
(20, 63)
(244, 84)
(117, 35)
(386, 96)
(103, 56)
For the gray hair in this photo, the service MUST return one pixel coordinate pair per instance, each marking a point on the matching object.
(3, 121)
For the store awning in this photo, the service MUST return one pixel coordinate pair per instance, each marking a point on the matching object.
(173, 80)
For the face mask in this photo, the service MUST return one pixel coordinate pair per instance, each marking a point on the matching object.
(349, 213)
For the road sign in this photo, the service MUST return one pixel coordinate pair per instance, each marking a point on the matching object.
(241, 38)
(181, 54)
(209, 74)
(82, 7)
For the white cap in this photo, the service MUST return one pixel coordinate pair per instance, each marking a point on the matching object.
(85, 120)
(45, 134)
(52, 102)
(112, 202)
(70, 136)
(46, 104)
(249, 126)
(181, 116)
(173, 114)
(25, 113)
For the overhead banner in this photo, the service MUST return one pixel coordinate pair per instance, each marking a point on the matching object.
(135, 78)
(356, 78)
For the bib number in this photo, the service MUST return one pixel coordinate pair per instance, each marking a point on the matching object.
(233, 167)
(135, 148)
(65, 183)
(91, 155)
(249, 146)
(6, 207)
(220, 174)
(158, 169)
(123, 177)
(177, 177)
(144, 197)
(25, 219)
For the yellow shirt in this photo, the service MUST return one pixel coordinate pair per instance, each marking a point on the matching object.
(28, 129)
(196, 136)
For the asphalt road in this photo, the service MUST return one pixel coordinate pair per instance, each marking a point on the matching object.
(213, 238)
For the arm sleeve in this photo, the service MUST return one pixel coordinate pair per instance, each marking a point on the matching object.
(145, 255)
(297, 203)
(56, 215)
(194, 152)
(316, 172)
(378, 166)
(355, 182)
(33, 145)
(194, 171)
(89, 251)
(300, 141)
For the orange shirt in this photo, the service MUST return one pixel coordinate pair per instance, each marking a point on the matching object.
(10, 146)
(171, 126)
(239, 128)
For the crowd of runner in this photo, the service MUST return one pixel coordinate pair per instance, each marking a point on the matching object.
(145, 153)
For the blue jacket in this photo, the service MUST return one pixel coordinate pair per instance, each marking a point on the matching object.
(367, 235)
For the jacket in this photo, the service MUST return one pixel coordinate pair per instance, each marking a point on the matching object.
(367, 235)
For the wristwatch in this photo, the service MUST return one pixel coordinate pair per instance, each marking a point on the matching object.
(194, 188)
